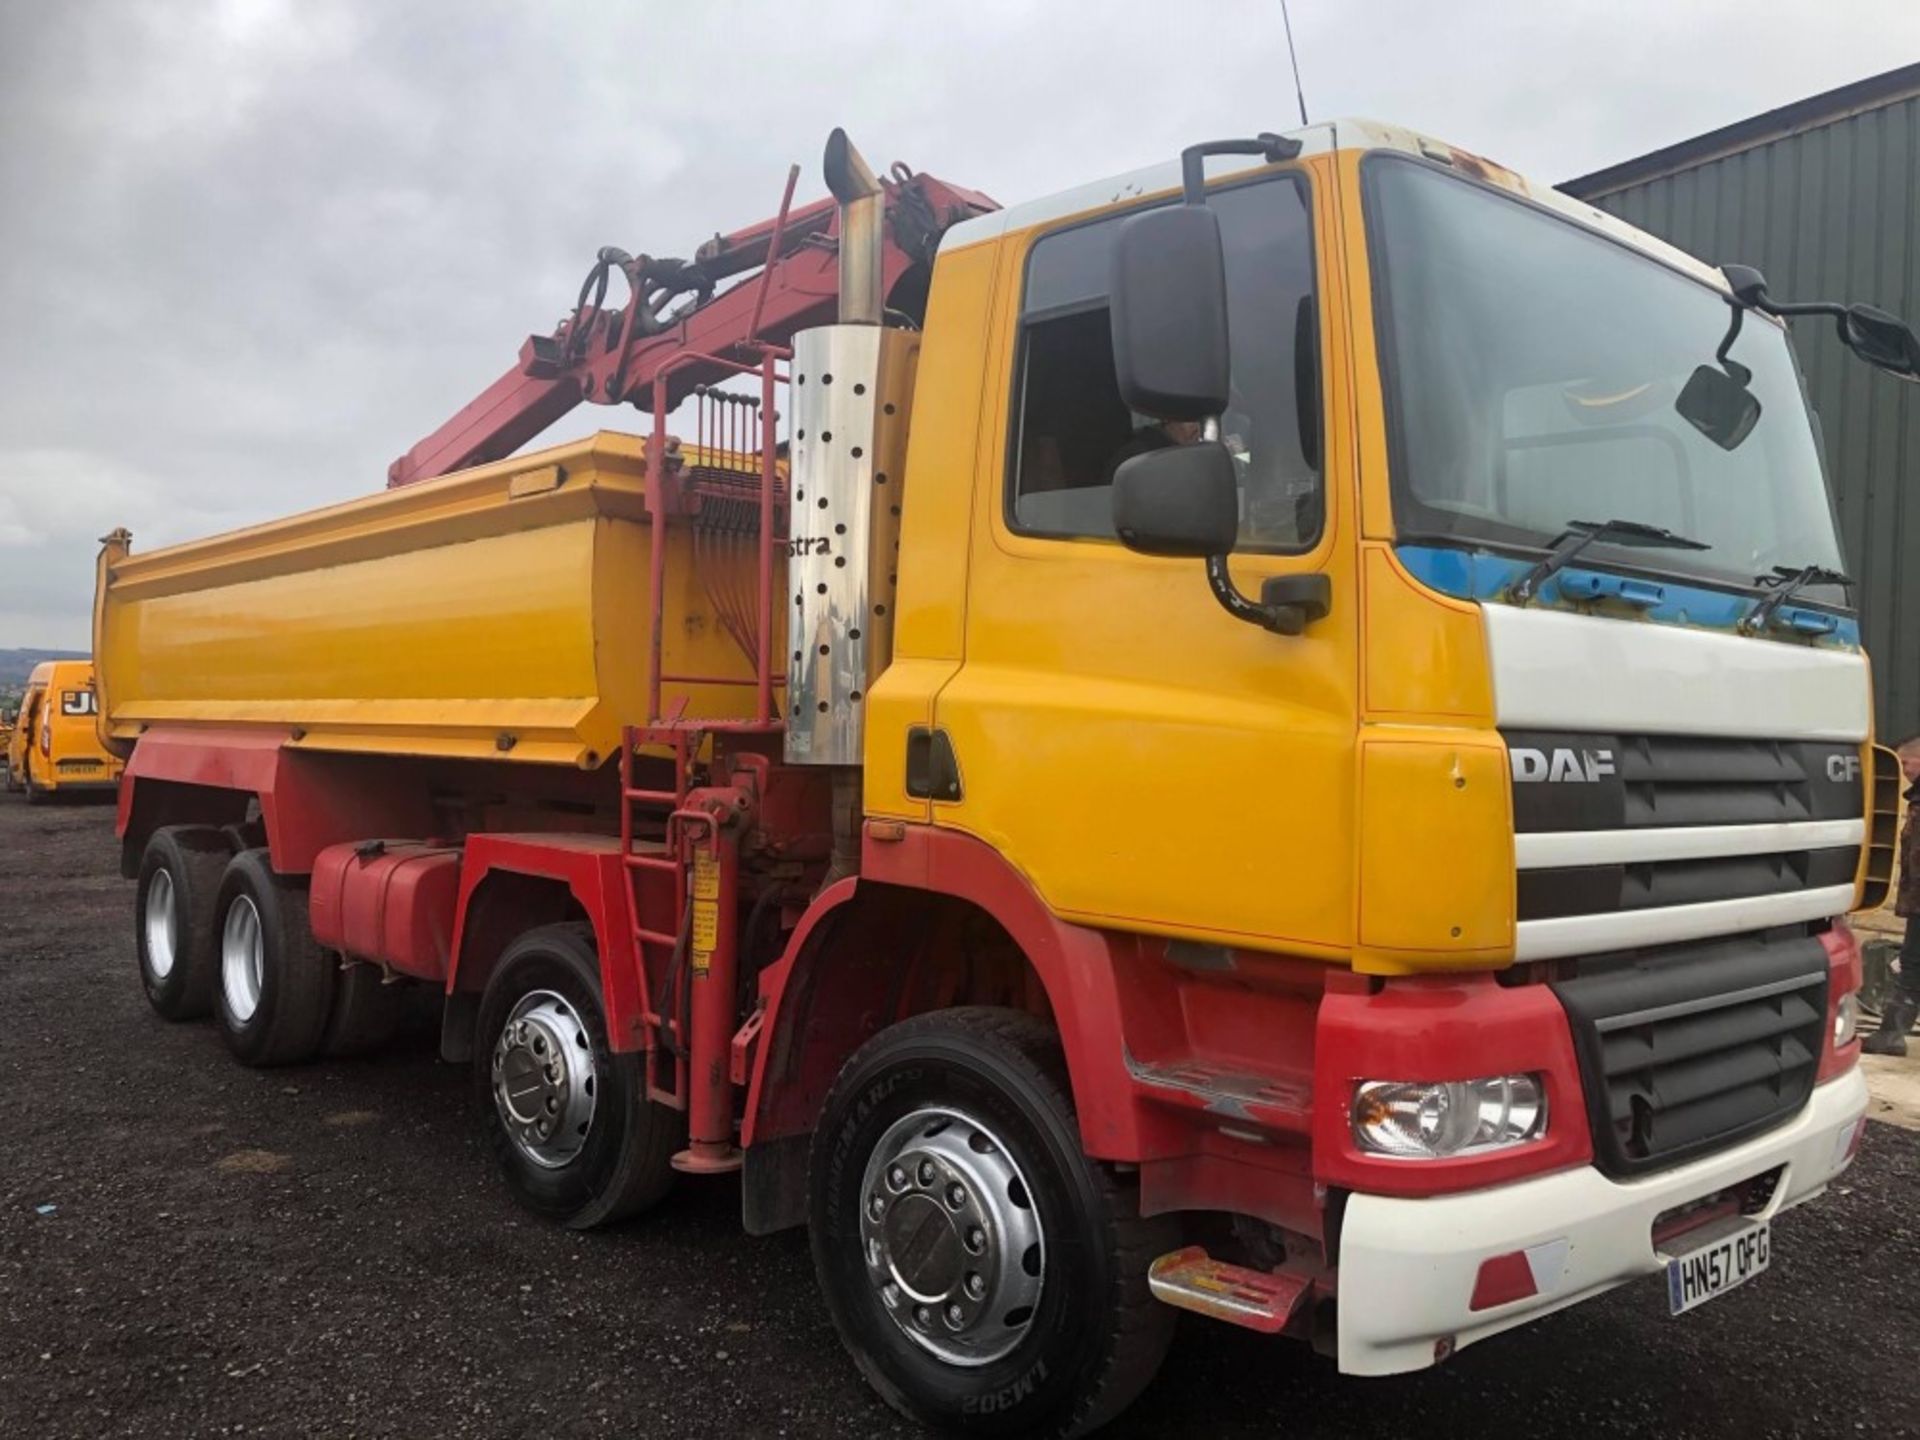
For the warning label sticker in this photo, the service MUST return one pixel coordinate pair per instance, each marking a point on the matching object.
(706, 876)
(706, 932)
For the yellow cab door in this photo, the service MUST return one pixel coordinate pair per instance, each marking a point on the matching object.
(1147, 760)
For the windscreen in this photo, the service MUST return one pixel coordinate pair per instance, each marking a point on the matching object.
(1532, 369)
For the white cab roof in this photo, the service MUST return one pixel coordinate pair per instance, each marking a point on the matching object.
(1345, 134)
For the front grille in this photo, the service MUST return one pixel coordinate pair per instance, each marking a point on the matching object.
(1646, 884)
(1687, 1048)
(1575, 781)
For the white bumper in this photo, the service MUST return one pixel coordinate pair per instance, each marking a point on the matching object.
(1407, 1267)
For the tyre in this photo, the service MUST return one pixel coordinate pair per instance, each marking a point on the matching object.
(986, 1276)
(35, 795)
(175, 914)
(366, 1010)
(569, 1121)
(275, 984)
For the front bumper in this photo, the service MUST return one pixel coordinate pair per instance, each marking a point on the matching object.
(1408, 1266)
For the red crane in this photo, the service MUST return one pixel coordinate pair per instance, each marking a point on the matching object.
(677, 310)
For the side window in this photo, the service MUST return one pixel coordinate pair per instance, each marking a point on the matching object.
(1071, 430)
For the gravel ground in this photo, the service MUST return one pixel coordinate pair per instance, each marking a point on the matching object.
(324, 1252)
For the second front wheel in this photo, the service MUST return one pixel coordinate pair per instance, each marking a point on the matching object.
(570, 1123)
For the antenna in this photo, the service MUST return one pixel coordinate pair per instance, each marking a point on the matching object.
(1294, 57)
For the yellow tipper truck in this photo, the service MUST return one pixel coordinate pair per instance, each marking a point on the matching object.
(54, 748)
(1279, 736)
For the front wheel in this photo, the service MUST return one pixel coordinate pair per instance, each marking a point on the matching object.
(569, 1120)
(986, 1276)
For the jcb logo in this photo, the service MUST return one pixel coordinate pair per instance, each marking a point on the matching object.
(77, 702)
(1843, 769)
(1583, 766)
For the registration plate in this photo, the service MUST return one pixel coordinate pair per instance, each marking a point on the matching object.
(1718, 1265)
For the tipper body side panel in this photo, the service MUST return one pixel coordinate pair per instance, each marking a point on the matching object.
(498, 613)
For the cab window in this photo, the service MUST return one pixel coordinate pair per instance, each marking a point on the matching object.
(1071, 430)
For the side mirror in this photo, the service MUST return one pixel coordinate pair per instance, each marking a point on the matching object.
(1718, 406)
(1180, 501)
(1884, 341)
(1168, 309)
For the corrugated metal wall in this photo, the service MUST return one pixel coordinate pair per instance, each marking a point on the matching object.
(1832, 213)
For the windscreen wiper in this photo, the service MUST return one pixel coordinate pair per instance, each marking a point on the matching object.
(1786, 582)
(1581, 533)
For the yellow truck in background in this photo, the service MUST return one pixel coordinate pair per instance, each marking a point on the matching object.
(53, 748)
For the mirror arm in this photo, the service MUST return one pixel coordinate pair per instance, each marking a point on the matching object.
(1287, 603)
(1803, 307)
(1236, 604)
(1193, 159)
(1738, 373)
(1811, 307)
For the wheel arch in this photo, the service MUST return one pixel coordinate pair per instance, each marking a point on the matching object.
(512, 884)
(306, 800)
(153, 804)
(975, 933)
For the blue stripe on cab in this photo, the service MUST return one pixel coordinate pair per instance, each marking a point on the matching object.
(1481, 575)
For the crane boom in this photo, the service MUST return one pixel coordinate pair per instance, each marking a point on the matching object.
(610, 355)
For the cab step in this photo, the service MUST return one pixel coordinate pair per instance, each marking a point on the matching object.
(1191, 1279)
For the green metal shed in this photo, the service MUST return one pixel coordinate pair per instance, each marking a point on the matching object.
(1823, 196)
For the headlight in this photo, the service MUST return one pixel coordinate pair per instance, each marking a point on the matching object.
(1408, 1120)
(1846, 1020)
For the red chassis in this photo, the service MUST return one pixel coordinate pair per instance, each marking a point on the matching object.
(1223, 1075)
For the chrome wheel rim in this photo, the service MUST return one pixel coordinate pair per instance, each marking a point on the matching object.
(242, 960)
(953, 1244)
(159, 921)
(543, 1079)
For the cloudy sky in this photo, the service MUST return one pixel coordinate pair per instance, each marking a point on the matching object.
(251, 250)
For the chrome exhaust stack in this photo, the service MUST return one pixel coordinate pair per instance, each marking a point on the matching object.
(863, 213)
(852, 396)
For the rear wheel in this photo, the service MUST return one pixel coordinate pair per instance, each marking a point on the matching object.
(569, 1121)
(987, 1277)
(175, 910)
(35, 794)
(275, 984)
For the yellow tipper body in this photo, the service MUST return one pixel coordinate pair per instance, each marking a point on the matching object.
(499, 612)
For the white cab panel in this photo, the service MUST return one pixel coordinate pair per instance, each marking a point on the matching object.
(1558, 671)
(1669, 924)
(1552, 849)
